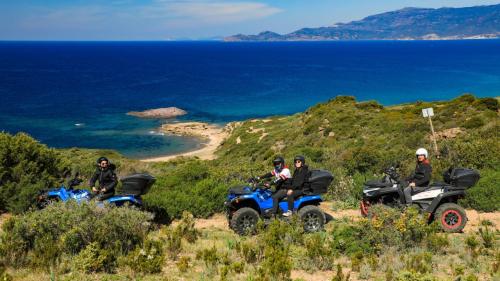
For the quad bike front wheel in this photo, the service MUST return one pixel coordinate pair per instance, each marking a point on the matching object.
(44, 201)
(364, 207)
(451, 217)
(244, 221)
(312, 217)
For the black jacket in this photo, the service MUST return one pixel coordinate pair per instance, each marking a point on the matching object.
(300, 176)
(422, 174)
(107, 179)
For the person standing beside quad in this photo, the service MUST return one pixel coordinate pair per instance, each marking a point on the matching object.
(421, 178)
(107, 180)
(281, 174)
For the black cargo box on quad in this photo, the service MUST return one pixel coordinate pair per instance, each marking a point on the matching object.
(318, 181)
(461, 178)
(137, 184)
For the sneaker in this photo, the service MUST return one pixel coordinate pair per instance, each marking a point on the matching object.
(287, 213)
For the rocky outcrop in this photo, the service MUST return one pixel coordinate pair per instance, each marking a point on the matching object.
(159, 113)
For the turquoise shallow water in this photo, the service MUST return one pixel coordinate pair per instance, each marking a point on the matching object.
(77, 93)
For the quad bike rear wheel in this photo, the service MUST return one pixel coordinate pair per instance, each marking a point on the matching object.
(244, 221)
(451, 217)
(312, 217)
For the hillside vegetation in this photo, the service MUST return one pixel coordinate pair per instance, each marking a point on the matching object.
(355, 140)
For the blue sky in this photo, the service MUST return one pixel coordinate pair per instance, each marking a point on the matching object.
(183, 19)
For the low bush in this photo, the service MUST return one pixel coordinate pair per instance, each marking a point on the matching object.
(484, 196)
(194, 186)
(147, 258)
(94, 259)
(276, 240)
(26, 168)
(319, 252)
(42, 238)
(388, 228)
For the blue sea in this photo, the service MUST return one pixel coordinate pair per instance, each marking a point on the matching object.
(69, 94)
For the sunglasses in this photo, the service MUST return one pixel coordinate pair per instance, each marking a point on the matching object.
(298, 161)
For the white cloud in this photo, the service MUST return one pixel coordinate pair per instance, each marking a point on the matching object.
(119, 19)
(210, 11)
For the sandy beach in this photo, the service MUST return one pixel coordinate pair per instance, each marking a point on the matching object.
(212, 137)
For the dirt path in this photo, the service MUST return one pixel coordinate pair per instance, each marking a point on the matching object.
(3, 218)
(219, 221)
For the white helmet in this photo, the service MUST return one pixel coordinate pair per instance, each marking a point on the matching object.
(422, 151)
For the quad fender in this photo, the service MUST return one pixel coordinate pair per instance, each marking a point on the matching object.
(308, 200)
(447, 197)
(121, 200)
(245, 202)
(60, 194)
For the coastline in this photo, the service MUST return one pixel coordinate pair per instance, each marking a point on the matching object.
(210, 135)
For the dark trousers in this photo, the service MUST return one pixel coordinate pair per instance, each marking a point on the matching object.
(280, 194)
(291, 198)
(409, 191)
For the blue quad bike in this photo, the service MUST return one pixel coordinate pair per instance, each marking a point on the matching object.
(245, 205)
(133, 186)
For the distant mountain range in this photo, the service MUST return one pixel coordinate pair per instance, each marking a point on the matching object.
(406, 24)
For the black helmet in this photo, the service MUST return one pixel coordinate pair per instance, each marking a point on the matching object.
(300, 158)
(279, 161)
(102, 159)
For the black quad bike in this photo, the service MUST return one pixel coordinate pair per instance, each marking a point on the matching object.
(439, 200)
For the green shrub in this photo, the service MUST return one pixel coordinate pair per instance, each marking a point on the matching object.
(276, 240)
(183, 264)
(186, 228)
(210, 258)
(369, 105)
(339, 275)
(93, 259)
(487, 235)
(147, 258)
(193, 186)
(419, 262)
(347, 239)
(414, 276)
(484, 196)
(173, 240)
(474, 122)
(40, 238)
(319, 252)
(437, 242)
(249, 250)
(4, 276)
(489, 103)
(387, 228)
(26, 168)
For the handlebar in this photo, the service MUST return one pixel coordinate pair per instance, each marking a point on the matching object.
(392, 173)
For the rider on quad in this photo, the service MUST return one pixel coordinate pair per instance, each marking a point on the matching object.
(107, 180)
(295, 189)
(420, 179)
(281, 174)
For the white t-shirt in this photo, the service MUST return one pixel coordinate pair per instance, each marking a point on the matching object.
(283, 175)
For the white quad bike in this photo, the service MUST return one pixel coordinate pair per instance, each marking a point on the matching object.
(439, 200)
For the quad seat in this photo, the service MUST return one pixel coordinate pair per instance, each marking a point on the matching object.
(240, 190)
(377, 184)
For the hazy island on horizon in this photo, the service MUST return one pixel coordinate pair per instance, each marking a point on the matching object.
(478, 22)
